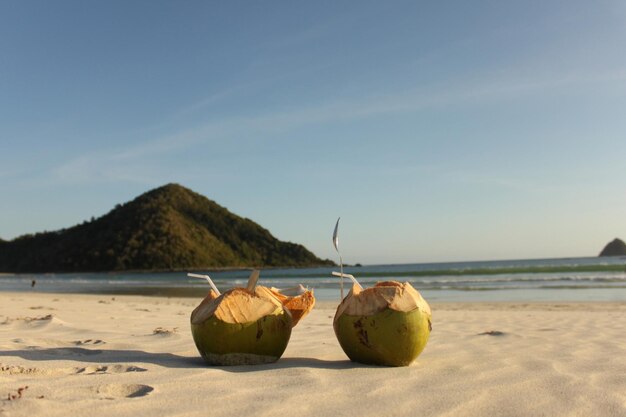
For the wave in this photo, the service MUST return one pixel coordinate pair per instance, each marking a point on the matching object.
(605, 276)
(443, 282)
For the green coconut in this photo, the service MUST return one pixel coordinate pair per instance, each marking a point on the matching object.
(240, 327)
(388, 324)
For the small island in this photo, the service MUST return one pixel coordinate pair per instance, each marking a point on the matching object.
(616, 247)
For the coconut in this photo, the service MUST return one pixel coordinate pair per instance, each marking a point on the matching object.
(242, 326)
(298, 300)
(387, 324)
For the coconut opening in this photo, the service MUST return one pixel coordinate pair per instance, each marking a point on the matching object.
(298, 305)
(236, 306)
(388, 294)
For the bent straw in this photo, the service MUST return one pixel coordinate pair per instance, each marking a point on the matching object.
(208, 278)
(293, 291)
(341, 274)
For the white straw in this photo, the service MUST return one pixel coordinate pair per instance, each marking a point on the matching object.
(293, 291)
(340, 274)
(208, 278)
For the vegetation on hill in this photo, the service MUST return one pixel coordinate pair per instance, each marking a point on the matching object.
(167, 228)
(616, 247)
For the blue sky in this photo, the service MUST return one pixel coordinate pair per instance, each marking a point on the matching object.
(438, 132)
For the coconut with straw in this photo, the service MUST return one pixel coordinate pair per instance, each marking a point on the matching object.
(240, 326)
(249, 325)
(387, 324)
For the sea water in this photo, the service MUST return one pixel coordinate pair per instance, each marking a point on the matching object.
(568, 279)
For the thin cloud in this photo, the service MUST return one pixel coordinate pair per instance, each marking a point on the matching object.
(114, 165)
(471, 177)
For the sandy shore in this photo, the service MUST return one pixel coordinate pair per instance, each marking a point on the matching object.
(133, 356)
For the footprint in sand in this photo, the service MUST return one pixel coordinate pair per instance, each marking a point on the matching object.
(32, 322)
(34, 344)
(21, 370)
(492, 333)
(104, 369)
(47, 317)
(6, 369)
(164, 331)
(115, 391)
(8, 320)
(88, 342)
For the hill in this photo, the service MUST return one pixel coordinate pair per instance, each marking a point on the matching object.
(168, 228)
(616, 247)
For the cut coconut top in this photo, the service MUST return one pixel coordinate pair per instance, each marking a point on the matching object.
(268, 293)
(236, 306)
(305, 302)
(389, 294)
(203, 306)
(298, 305)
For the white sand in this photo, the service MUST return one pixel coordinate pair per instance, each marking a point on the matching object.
(133, 356)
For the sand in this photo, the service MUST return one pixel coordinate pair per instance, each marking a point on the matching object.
(132, 356)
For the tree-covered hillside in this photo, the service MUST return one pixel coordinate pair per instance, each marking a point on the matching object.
(170, 227)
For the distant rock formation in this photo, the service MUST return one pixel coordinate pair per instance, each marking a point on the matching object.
(616, 247)
(168, 228)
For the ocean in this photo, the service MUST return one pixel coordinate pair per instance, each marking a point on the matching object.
(565, 279)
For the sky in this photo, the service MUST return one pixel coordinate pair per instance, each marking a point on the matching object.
(438, 131)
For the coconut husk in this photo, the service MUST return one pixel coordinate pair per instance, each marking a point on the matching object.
(386, 294)
(299, 301)
(237, 305)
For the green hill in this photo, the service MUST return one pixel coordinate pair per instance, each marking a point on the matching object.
(616, 247)
(167, 228)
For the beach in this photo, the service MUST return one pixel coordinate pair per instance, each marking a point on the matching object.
(121, 355)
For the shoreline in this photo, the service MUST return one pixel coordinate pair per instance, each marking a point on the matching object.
(556, 305)
(605, 263)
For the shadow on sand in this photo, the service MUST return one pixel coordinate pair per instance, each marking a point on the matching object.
(167, 360)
